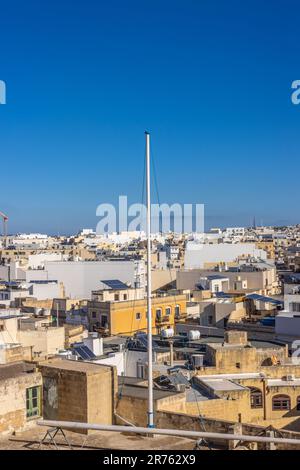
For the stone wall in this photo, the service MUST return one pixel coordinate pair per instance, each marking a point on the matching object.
(81, 392)
(169, 420)
(13, 401)
(134, 409)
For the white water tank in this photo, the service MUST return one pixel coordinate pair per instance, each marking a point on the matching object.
(167, 333)
(194, 335)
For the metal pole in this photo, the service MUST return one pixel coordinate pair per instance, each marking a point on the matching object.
(167, 432)
(149, 307)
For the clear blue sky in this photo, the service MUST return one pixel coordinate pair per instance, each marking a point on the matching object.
(210, 79)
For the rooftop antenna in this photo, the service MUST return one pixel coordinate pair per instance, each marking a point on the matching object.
(149, 306)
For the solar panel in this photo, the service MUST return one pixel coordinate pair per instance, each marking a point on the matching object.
(115, 284)
(84, 352)
(88, 352)
(222, 295)
(263, 298)
(143, 338)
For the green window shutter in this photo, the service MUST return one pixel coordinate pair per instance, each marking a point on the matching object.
(33, 402)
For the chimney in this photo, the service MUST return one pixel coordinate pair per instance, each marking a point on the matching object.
(236, 337)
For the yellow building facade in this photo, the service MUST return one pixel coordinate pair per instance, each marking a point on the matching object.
(130, 317)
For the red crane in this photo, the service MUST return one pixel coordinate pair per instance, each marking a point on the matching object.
(5, 219)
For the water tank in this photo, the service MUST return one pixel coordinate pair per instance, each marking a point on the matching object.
(167, 333)
(194, 334)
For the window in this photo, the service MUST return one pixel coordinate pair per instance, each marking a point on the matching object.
(168, 311)
(238, 365)
(33, 402)
(295, 306)
(141, 371)
(177, 311)
(138, 316)
(104, 321)
(281, 402)
(158, 313)
(125, 297)
(117, 297)
(256, 400)
(94, 314)
(210, 320)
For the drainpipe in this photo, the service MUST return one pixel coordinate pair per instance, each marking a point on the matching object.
(171, 354)
(264, 399)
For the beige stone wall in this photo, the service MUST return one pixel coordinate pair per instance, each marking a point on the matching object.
(167, 419)
(161, 277)
(238, 407)
(240, 359)
(101, 396)
(78, 394)
(74, 334)
(44, 341)
(15, 354)
(13, 402)
(135, 409)
(8, 330)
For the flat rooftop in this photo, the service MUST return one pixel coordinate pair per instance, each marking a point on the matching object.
(141, 392)
(245, 375)
(223, 384)
(101, 440)
(194, 395)
(253, 344)
(78, 366)
(8, 371)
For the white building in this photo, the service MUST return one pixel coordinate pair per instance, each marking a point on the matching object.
(287, 324)
(234, 232)
(215, 283)
(80, 278)
(198, 255)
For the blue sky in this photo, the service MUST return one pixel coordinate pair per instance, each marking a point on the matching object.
(211, 80)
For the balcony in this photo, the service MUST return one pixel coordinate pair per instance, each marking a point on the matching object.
(162, 320)
(181, 318)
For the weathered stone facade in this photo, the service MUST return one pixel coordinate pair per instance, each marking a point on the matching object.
(14, 380)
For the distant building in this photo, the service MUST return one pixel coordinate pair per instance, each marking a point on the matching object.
(126, 317)
(214, 283)
(80, 278)
(208, 255)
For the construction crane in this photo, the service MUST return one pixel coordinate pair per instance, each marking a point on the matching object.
(5, 219)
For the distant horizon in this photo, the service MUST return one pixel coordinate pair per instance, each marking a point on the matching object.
(70, 234)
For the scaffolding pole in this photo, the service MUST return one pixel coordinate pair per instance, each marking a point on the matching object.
(166, 432)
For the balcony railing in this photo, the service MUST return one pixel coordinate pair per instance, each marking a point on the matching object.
(162, 320)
